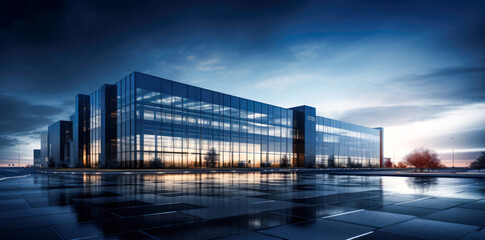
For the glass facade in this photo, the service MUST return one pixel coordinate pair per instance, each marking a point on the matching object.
(142, 120)
(80, 132)
(94, 130)
(177, 124)
(37, 158)
(44, 148)
(59, 135)
(102, 128)
(341, 144)
(304, 137)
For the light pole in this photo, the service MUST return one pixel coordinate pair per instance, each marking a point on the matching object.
(393, 154)
(453, 153)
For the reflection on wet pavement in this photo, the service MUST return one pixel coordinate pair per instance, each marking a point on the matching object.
(240, 206)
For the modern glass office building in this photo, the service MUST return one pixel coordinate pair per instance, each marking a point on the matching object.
(57, 145)
(37, 158)
(144, 119)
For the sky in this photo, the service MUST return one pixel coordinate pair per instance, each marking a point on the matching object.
(416, 68)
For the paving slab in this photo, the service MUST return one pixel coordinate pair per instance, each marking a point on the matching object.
(473, 217)
(372, 218)
(318, 229)
(429, 229)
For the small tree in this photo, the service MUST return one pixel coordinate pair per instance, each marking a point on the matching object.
(211, 158)
(423, 158)
(388, 163)
(479, 163)
(434, 163)
(51, 163)
(113, 163)
(285, 162)
(322, 164)
(331, 161)
(349, 163)
(353, 164)
(156, 163)
(401, 165)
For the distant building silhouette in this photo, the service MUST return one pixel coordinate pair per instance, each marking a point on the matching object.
(37, 158)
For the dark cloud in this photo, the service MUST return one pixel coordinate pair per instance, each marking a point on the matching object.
(463, 140)
(461, 158)
(469, 37)
(71, 45)
(21, 117)
(456, 84)
(393, 115)
(65, 47)
(6, 142)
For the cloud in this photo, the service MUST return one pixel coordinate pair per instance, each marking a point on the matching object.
(22, 117)
(462, 159)
(455, 84)
(22, 123)
(67, 47)
(210, 64)
(470, 37)
(8, 142)
(471, 139)
(387, 116)
(280, 83)
(309, 50)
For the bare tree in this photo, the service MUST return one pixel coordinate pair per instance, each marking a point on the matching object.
(388, 163)
(322, 164)
(350, 164)
(285, 162)
(331, 161)
(423, 158)
(434, 163)
(401, 165)
(156, 163)
(479, 163)
(211, 158)
(51, 163)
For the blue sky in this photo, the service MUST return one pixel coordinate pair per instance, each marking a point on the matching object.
(415, 68)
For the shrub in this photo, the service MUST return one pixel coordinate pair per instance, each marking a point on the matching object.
(285, 162)
(479, 163)
(211, 158)
(423, 158)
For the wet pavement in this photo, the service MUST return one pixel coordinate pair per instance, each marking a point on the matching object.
(245, 205)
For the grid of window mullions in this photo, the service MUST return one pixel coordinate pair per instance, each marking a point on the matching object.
(179, 126)
(346, 143)
(126, 143)
(95, 130)
(215, 134)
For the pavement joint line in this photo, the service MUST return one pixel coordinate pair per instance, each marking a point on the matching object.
(147, 234)
(361, 235)
(415, 200)
(157, 213)
(58, 234)
(115, 214)
(139, 206)
(5, 178)
(267, 234)
(268, 201)
(310, 197)
(103, 234)
(344, 213)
